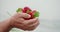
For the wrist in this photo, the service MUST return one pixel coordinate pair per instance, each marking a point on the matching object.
(5, 25)
(12, 21)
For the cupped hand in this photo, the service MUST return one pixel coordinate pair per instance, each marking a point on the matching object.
(18, 21)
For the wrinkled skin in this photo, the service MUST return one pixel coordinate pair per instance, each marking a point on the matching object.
(17, 21)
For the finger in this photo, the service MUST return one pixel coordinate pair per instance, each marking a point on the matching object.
(24, 15)
(33, 26)
(20, 26)
(20, 20)
(31, 21)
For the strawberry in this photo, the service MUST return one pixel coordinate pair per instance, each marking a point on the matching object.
(26, 10)
(34, 14)
(31, 13)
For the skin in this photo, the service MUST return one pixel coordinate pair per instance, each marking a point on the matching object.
(17, 21)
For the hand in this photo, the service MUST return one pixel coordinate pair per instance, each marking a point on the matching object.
(18, 21)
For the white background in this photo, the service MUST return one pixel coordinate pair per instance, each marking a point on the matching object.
(49, 12)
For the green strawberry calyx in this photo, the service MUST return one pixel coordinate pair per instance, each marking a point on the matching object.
(19, 10)
(36, 14)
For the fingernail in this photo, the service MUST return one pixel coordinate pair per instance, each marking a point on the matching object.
(29, 16)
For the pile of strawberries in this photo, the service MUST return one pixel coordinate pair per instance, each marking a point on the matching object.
(27, 10)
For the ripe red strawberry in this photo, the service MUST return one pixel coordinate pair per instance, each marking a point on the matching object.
(31, 13)
(26, 10)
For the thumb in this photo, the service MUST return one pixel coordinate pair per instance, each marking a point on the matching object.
(25, 15)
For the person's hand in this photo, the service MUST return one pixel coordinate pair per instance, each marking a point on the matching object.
(18, 21)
